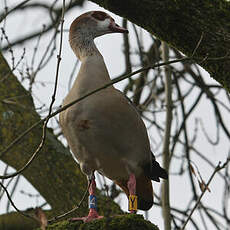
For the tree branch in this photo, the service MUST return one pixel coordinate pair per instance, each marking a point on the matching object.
(217, 169)
(166, 143)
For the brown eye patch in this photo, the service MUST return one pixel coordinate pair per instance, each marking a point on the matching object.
(99, 15)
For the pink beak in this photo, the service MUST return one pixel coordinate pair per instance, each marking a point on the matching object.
(116, 28)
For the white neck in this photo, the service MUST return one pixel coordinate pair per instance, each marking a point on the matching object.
(83, 46)
(93, 72)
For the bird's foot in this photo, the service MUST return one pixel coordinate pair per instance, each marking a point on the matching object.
(93, 215)
(132, 211)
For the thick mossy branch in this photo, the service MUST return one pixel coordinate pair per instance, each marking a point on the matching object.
(181, 23)
(124, 222)
(53, 173)
(15, 221)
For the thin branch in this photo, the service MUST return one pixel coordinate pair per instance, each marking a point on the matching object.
(50, 108)
(4, 15)
(32, 35)
(218, 168)
(184, 129)
(10, 47)
(126, 44)
(198, 44)
(166, 143)
(12, 203)
(12, 192)
(118, 79)
(72, 210)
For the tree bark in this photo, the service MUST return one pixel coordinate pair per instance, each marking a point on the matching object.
(15, 221)
(182, 23)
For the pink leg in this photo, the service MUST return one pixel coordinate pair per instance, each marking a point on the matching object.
(92, 204)
(132, 184)
(132, 188)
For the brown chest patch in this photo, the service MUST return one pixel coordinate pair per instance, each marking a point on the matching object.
(83, 125)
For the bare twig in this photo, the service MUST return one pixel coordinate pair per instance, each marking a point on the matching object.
(15, 66)
(4, 15)
(12, 203)
(198, 44)
(72, 210)
(50, 108)
(218, 168)
(10, 47)
(12, 192)
(43, 62)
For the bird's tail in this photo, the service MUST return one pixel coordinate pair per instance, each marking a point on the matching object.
(154, 171)
(144, 189)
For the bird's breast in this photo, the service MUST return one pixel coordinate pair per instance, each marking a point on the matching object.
(105, 134)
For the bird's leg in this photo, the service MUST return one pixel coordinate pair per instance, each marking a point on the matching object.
(132, 193)
(92, 202)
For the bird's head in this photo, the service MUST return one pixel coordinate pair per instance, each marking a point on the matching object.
(94, 24)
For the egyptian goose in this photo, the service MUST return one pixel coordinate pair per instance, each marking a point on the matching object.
(105, 131)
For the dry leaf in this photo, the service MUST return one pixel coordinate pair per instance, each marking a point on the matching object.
(203, 186)
(41, 218)
(192, 169)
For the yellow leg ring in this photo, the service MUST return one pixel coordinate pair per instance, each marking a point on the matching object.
(132, 203)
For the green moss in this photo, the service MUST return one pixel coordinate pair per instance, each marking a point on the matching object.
(64, 225)
(15, 221)
(124, 222)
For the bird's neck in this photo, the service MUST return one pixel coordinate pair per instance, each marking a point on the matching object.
(93, 72)
(83, 46)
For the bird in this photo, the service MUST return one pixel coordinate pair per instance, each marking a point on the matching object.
(104, 130)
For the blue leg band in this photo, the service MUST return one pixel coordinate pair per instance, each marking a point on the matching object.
(92, 202)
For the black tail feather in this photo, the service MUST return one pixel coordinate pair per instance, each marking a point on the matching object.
(160, 171)
(154, 171)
